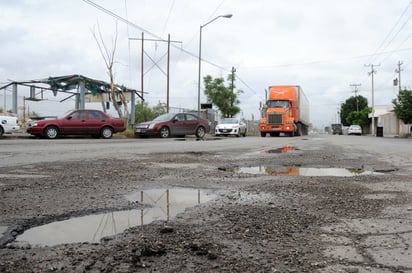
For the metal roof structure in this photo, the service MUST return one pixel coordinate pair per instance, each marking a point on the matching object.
(74, 85)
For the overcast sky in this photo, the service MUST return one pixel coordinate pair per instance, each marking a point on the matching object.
(321, 45)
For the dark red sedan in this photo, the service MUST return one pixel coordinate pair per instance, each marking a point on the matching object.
(168, 125)
(78, 122)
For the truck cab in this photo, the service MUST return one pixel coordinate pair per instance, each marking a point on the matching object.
(286, 111)
(277, 118)
(337, 129)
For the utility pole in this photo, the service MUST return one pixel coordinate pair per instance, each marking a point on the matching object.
(356, 94)
(168, 72)
(142, 70)
(398, 70)
(373, 71)
(233, 77)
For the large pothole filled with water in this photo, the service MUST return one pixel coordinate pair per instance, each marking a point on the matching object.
(164, 205)
(302, 171)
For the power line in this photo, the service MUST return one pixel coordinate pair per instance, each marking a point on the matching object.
(392, 29)
(118, 17)
(168, 16)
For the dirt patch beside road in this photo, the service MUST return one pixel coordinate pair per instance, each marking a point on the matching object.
(257, 223)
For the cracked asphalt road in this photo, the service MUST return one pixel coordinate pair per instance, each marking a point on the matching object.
(274, 219)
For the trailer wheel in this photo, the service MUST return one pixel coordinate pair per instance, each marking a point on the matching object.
(299, 130)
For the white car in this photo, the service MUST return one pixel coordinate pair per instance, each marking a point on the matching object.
(8, 124)
(231, 126)
(355, 130)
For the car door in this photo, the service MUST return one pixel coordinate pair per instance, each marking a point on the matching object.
(177, 126)
(74, 123)
(95, 121)
(191, 124)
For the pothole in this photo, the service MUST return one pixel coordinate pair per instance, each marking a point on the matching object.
(281, 150)
(198, 139)
(166, 204)
(303, 171)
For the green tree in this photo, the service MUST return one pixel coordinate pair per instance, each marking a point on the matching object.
(359, 117)
(353, 104)
(144, 113)
(224, 98)
(403, 106)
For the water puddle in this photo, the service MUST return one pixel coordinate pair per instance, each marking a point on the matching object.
(301, 171)
(167, 203)
(197, 139)
(282, 150)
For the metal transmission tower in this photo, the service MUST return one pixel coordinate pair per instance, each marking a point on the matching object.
(156, 63)
(373, 71)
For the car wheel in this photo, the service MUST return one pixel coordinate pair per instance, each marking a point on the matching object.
(164, 132)
(106, 132)
(200, 132)
(51, 132)
(1, 131)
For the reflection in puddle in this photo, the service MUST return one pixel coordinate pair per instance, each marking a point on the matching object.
(282, 150)
(300, 171)
(166, 204)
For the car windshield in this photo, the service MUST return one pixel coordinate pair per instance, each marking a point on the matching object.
(229, 121)
(164, 117)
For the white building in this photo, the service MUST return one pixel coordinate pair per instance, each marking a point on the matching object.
(385, 117)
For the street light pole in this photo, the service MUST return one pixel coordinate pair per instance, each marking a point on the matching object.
(200, 57)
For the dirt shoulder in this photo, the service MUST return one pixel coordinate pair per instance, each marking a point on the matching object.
(258, 222)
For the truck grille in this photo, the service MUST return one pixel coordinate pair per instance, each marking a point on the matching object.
(275, 118)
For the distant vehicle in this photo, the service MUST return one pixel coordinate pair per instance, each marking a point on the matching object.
(286, 111)
(79, 122)
(8, 125)
(337, 129)
(168, 125)
(231, 126)
(355, 130)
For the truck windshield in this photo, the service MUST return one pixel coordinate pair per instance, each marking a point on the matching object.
(278, 103)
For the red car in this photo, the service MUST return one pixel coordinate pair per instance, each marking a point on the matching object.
(167, 125)
(78, 122)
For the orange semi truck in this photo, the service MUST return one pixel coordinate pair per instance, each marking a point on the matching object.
(285, 111)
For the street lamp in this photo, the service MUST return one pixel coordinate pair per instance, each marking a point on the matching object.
(200, 57)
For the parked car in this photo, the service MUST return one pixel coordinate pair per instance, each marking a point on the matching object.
(78, 122)
(355, 130)
(8, 124)
(231, 126)
(168, 125)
